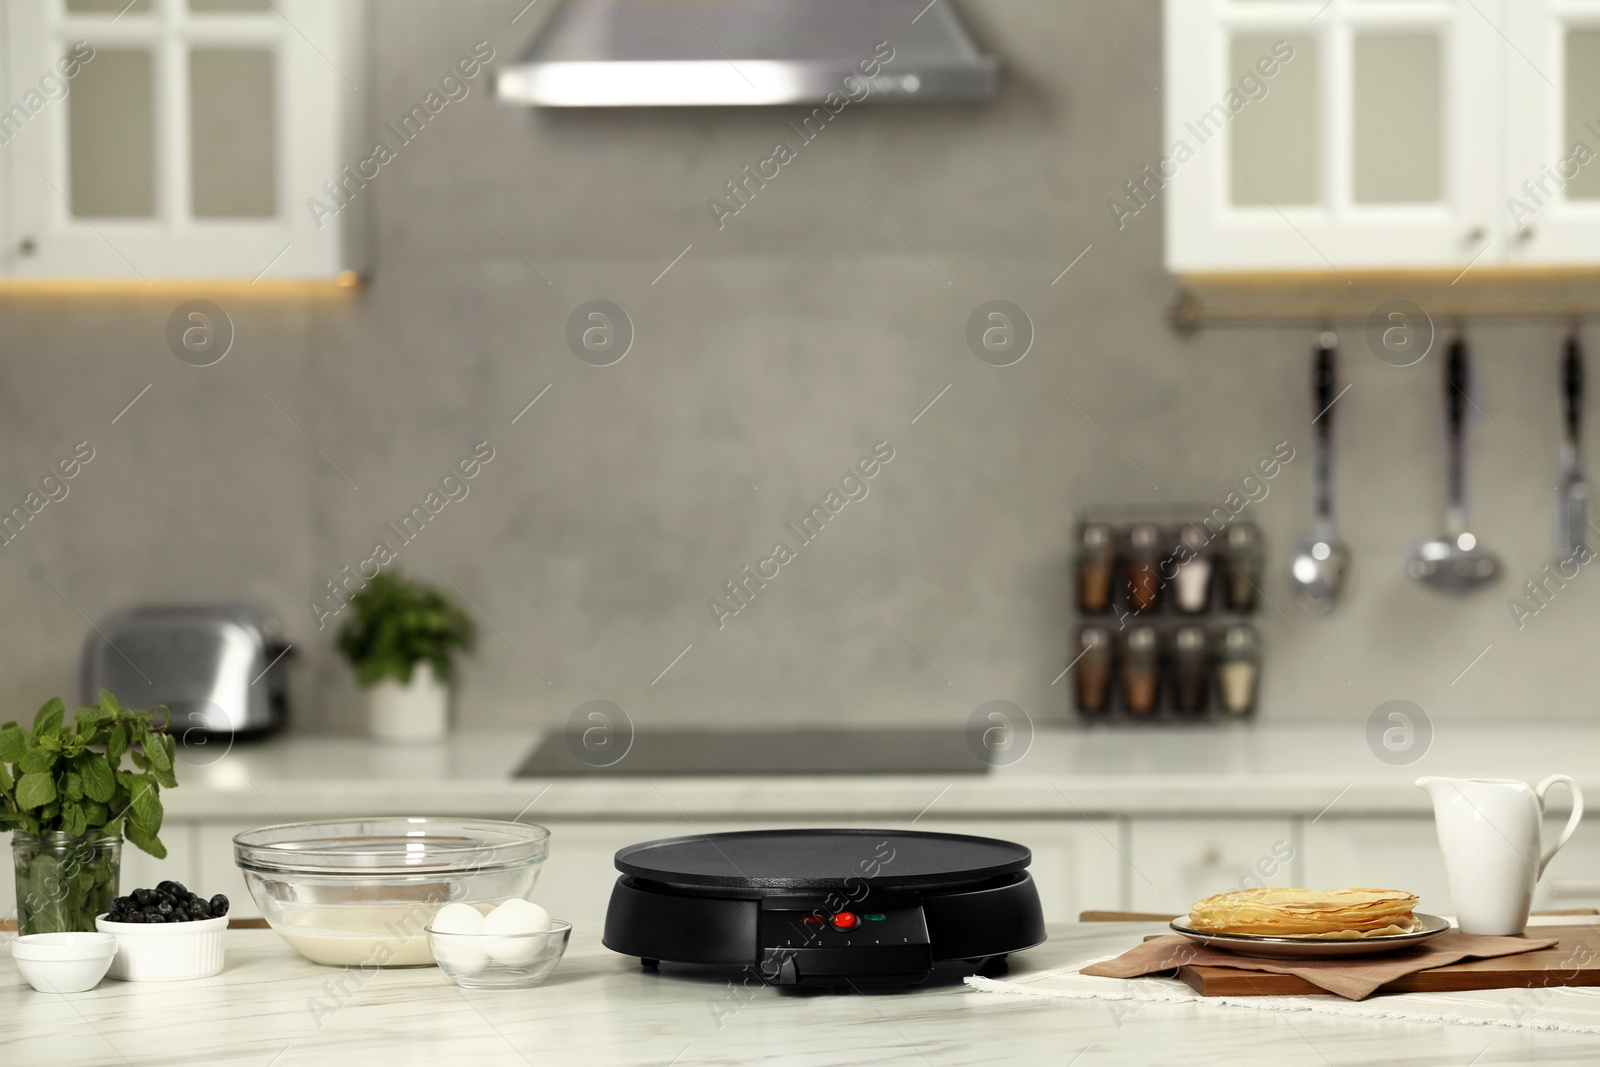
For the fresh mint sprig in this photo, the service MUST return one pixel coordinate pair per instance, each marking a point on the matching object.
(70, 779)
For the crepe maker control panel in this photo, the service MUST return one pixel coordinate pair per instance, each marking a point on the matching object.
(879, 939)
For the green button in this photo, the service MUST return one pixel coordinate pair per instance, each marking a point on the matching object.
(875, 917)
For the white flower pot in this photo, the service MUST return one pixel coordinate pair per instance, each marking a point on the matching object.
(416, 712)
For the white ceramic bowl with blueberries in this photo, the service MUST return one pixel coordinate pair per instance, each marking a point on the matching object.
(166, 934)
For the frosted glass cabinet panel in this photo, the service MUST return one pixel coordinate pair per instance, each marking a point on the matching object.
(1551, 169)
(232, 133)
(1276, 131)
(180, 138)
(1381, 134)
(1581, 104)
(1396, 122)
(109, 7)
(111, 136)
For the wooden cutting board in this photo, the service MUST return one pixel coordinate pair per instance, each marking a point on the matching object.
(1573, 961)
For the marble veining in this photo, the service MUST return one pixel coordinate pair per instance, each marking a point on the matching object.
(269, 1006)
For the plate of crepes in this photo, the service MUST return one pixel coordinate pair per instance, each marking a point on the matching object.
(1309, 923)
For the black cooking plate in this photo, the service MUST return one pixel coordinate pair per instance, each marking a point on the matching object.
(822, 859)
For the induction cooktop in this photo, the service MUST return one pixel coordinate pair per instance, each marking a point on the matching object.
(662, 752)
(826, 907)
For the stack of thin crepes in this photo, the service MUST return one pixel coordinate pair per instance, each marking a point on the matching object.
(1333, 914)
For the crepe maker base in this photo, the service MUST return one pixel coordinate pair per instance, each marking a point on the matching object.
(825, 907)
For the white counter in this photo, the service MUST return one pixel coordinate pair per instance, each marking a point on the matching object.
(600, 1009)
(1288, 769)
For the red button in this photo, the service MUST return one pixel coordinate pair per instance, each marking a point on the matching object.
(846, 920)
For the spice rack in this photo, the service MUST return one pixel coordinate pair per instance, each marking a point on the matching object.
(1164, 605)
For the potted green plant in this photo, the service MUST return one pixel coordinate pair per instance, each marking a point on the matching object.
(69, 803)
(402, 643)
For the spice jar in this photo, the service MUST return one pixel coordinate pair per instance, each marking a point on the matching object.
(1096, 555)
(1192, 583)
(1141, 667)
(1143, 583)
(1093, 671)
(1190, 677)
(1239, 670)
(1242, 572)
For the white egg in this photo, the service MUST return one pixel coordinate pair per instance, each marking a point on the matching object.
(507, 931)
(464, 954)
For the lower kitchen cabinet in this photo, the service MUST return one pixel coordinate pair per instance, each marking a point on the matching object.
(1175, 862)
(1075, 862)
(1383, 853)
(215, 871)
(141, 871)
(1573, 878)
(575, 882)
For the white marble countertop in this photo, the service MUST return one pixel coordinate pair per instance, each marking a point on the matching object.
(1279, 768)
(270, 1007)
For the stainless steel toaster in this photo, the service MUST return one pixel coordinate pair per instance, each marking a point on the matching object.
(214, 666)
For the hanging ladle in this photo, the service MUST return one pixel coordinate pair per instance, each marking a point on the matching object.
(1454, 563)
(1319, 561)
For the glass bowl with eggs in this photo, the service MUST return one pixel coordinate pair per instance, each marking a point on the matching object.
(361, 892)
(514, 946)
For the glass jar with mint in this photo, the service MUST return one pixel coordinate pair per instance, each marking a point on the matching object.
(70, 802)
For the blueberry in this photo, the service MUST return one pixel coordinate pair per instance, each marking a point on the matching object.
(154, 917)
(219, 905)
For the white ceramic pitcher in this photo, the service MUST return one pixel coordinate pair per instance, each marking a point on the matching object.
(1489, 831)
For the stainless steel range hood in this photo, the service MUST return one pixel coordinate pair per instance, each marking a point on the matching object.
(666, 53)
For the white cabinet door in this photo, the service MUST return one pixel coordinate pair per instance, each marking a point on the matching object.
(141, 871)
(1175, 862)
(1573, 878)
(1354, 138)
(214, 870)
(1075, 866)
(1381, 853)
(575, 882)
(178, 139)
(1550, 171)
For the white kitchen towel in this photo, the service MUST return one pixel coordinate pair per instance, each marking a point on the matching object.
(1550, 1008)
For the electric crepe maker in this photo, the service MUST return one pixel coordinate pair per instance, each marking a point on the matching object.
(825, 907)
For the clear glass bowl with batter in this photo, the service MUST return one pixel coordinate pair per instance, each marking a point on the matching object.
(360, 892)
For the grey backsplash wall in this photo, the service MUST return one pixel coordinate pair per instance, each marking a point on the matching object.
(793, 339)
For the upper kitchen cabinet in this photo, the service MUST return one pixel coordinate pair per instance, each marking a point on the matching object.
(1344, 135)
(150, 139)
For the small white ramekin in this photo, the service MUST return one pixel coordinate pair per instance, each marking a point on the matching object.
(166, 952)
(63, 963)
